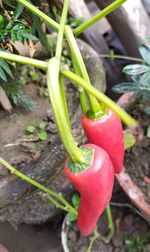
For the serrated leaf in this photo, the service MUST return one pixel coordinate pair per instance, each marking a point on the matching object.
(129, 139)
(18, 11)
(135, 69)
(42, 125)
(125, 87)
(30, 129)
(3, 75)
(145, 53)
(148, 132)
(71, 217)
(42, 136)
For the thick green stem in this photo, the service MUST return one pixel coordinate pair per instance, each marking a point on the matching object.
(24, 60)
(82, 96)
(39, 14)
(76, 54)
(126, 118)
(98, 17)
(73, 151)
(59, 45)
(67, 206)
(63, 95)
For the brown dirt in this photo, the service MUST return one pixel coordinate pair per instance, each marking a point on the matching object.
(137, 159)
(12, 128)
(128, 226)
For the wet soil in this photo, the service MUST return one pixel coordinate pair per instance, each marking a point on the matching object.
(137, 159)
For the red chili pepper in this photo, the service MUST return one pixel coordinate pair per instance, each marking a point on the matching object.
(95, 185)
(107, 133)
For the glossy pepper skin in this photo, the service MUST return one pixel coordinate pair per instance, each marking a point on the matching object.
(95, 185)
(107, 133)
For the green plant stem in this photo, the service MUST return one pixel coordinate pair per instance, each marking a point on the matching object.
(63, 95)
(98, 17)
(110, 224)
(117, 56)
(92, 240)
(39, 14)
(67, 206)
(59, 45)
(73, 151)
(82, 96)
(126, 118)
(24, 60)
(76, 54)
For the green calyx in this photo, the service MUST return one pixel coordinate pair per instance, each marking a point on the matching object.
(99, 114)
(88, 154)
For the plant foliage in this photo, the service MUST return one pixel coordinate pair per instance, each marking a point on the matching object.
(140, 78)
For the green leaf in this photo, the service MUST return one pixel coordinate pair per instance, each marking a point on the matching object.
(125, 87)
(42, 125)
(71, 217)
(30, 129)
(129, 139)
(76, 200)
(18, 11)
(135, 69)
(145, 53)
(28, 35)
(37, 29)
(2, 74)
(5, 66)
(34, 76)
(42, 136)
(145, 81)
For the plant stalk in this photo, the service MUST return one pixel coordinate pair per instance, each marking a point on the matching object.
(73, 151)
(39, 14)
(76, 54)
(67, 206)
(59, 45)
(97, 17)
(126, 118)
(24, 60)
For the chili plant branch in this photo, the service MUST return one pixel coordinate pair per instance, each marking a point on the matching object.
(24, 60)
(98, 17)
(126, 118)
(67, 206)
(75, 52)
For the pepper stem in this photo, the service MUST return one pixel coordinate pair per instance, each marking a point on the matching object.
(76, 54)
(98, 17)
(73, 151)
(66, 206)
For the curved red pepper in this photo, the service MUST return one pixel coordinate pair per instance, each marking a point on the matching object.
(107, 133)
(95, 185)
